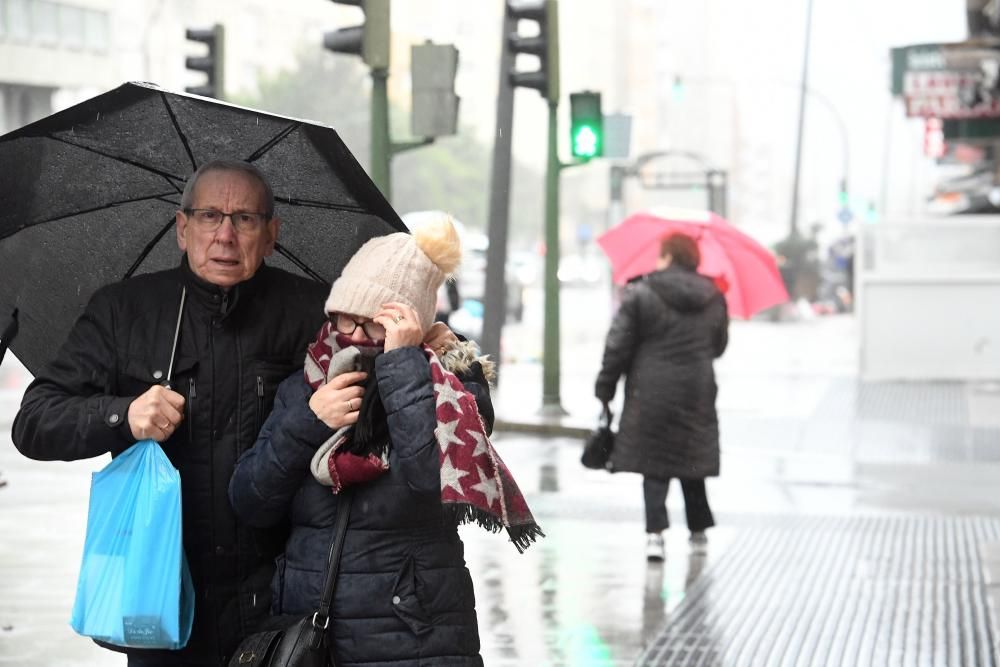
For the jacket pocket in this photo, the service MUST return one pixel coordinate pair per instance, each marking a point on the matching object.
(405, 603)
(139, 374)
(192, 394)
(278, 586)
(264, 378)
(260, 406)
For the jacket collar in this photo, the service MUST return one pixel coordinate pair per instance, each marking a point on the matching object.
(215, 299)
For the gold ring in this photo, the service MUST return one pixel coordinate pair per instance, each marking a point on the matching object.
(397, 319)
(350, 404)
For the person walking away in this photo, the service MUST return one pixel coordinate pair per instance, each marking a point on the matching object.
(671, 325)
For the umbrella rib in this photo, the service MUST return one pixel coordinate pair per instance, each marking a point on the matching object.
(292, 201)
(273, 141)
(180, 133)
(299, 263)
(96, 208)
(148, 249)
(118, 158)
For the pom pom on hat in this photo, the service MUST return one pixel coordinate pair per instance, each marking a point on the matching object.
(399, 267)
(439, 240)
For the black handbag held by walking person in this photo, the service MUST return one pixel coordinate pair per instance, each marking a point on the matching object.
(600, 442)
(300, 641)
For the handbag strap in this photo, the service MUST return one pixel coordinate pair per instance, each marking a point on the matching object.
(321, 619)
(606, 415)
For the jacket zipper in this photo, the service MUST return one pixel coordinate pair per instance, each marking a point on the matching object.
(260, 405)
(192, 394)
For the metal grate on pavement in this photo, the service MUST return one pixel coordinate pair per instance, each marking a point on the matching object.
(851, 591)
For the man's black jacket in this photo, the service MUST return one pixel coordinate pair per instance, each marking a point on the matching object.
(235, 348)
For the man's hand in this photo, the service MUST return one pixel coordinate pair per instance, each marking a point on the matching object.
(337, 402)
(155, 414)
(440, 338)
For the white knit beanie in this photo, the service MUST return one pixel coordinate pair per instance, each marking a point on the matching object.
(398, 267)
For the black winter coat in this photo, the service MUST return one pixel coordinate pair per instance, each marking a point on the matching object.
(404, 596)
(669, 328)
(234, 349)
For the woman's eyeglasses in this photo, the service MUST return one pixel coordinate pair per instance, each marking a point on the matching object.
(346, 325)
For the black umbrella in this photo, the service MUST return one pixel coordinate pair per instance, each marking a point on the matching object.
(88, 195)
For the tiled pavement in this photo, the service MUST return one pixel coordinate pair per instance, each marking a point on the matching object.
(851, 591)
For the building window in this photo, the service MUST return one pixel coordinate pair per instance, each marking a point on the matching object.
(45, 22)
(95, 31)
(71, 26)
(53, 24)
(18, 19)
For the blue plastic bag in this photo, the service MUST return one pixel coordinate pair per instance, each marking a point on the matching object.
(135, 588)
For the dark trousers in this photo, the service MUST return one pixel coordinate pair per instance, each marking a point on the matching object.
(699, 514)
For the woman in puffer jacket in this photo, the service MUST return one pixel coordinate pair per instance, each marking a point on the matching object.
(397, 411)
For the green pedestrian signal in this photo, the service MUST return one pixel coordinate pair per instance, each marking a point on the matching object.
(586, 125)
(843, 197)
(585, 142)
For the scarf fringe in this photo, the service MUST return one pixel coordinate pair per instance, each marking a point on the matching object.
(522, 536)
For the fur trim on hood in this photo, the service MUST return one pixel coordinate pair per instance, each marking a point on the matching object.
(459, 359)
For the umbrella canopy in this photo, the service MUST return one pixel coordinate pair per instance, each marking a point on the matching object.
(88, 197)
(744, 269)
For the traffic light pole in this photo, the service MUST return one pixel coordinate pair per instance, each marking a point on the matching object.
(494, 292)
(551, 402)
(380, 143)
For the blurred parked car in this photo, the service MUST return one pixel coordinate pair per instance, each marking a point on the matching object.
(582, 270)
(520, 270)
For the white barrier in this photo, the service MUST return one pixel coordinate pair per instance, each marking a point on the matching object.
(929, 299)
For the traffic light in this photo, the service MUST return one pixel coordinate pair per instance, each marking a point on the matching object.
(544, 45)
(844, 212)
(586, 128)
(434, 108)
(677, 89)
(369, 40)
(212, 64)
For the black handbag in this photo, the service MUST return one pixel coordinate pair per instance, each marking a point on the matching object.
(597, 448)
(299, 641)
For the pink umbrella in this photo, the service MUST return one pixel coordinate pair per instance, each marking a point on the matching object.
(744, 269)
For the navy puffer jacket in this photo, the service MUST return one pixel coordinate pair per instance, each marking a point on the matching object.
(404, 596)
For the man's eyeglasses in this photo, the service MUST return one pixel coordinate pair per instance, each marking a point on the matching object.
(346, 325)
(209, 219)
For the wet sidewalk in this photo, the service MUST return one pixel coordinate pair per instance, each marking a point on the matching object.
(857, 524)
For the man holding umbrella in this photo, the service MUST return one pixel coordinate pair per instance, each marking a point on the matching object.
(122, 375)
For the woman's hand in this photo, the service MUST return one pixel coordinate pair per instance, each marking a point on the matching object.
(440, 338)
(401, 324)
(337, 402)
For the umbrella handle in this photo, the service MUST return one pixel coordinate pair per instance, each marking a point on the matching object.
(177, 334)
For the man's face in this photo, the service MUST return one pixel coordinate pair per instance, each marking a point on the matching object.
(225, 256)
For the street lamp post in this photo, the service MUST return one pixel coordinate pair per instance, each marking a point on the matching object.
(795, 247)
(793, 231)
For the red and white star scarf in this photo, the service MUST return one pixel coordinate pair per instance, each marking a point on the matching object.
(476, 485)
